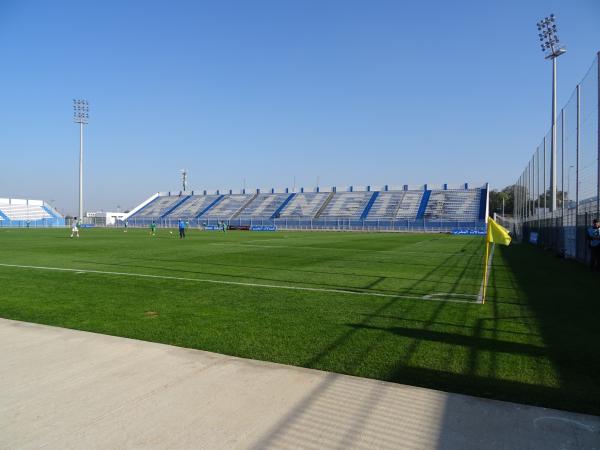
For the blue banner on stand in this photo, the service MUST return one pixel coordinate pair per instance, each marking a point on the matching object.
(213, 228)
(263, 228)
(470, 232)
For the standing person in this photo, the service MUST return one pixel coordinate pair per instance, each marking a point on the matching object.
(125, 223)
(593, 234)
(181, 229)
(224, 226)
(75, 228)
(153, 228)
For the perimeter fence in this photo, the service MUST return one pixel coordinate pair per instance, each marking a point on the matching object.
(563, 229)
(329, 224)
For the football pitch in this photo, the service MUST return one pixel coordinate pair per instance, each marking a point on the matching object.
(395, 307)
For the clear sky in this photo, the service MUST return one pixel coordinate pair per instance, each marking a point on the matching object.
(353, 92)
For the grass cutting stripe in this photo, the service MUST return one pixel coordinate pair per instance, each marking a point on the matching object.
(438, 297)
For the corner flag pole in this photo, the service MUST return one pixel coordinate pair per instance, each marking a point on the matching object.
(486, 271)
(495, 233)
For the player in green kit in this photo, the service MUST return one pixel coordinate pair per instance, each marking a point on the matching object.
(153, 228)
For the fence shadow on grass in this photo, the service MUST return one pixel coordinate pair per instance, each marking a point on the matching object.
(524, 329)
(436, 271)
(562, 296)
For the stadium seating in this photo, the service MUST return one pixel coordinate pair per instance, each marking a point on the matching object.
(229, 206)
(26, 213)
(386, 205)
(391, 209)
(193, 206)
(391, 205)
(264, 205)
(453, 205)
(347, 205)
(159, 206)
(304, 204)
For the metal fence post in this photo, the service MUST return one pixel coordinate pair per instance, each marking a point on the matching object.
(598, 138)
(544, 182)
(577, 138)
(562, 163)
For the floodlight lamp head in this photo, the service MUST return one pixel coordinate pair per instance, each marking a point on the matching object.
(80, 111)
(549, 38)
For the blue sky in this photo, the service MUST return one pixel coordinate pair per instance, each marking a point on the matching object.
(369, 92)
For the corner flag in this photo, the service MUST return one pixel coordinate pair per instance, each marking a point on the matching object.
(495, 234)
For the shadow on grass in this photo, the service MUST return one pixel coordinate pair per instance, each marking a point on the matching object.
(476, 343)
(564, 298)
(483, 338)
(442, 267)
(554, 327)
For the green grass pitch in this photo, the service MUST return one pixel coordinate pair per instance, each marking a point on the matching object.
(396, 307)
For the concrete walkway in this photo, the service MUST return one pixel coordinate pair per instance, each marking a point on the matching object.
(62, 389)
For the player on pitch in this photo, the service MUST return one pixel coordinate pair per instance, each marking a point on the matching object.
(75, 227)
(181, 225)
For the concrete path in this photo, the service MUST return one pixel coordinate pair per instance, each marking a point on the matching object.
(62, 389)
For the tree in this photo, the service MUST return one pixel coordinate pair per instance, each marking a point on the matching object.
(497, 197)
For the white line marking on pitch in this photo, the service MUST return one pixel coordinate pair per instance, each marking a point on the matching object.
(237, 283)
(448, 294)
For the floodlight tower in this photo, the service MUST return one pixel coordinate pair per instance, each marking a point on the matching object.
(549, 43)
(81, 116)
(184, 179)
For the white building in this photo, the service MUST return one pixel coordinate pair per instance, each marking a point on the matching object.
(106, 218)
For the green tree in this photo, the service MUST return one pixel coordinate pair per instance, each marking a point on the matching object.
(497, 197)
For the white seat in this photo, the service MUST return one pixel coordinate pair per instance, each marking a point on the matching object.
(264, 206)
(304, 204)
(159, 206)
(192, 207)
(348, 205)
(227, 207)
(24, 212)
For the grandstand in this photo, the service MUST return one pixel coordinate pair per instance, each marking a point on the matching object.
(453, 205)
(16, 212)
(426, 207)
(228, 207)
(349, 205)
(265, 205)
(194, 206)
(304, 205)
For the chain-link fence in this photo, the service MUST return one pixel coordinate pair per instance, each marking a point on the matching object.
(563, 228)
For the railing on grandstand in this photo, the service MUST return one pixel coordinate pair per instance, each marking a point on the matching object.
(330, 224)
(40, 223)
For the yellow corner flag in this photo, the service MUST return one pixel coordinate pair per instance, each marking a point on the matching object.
(496, 234)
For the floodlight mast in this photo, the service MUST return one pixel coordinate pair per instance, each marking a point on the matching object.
(81, 116)
(550, 46)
